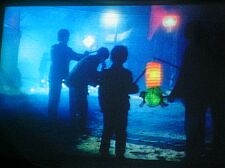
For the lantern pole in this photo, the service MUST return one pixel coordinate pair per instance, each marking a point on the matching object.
(116, 33)
(159, 59)
(168, 63)
(111, 19)
(138, 78)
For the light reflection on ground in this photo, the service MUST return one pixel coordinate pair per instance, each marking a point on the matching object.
(133, 151)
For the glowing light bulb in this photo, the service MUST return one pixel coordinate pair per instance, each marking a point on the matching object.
(89, 41)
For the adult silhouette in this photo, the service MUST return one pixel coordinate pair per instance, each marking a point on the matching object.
(61, 55)
(194, 86)
(83, 74)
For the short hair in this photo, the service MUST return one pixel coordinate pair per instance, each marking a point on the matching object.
(62, 33)
(119, 54)
(103, 52)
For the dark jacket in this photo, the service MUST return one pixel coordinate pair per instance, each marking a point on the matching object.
(115, 86)
(61, 55)
(85, 72)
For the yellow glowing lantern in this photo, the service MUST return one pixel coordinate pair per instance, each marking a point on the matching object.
(153, 74)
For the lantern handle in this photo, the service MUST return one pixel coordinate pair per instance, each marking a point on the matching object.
(139, 77)
(166, 62)
(161, 60)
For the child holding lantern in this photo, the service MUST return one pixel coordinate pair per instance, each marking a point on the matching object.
(115, 86)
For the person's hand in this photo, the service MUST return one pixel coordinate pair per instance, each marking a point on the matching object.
(134, 88)
(103, 66)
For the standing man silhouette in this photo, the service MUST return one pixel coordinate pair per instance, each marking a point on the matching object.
(194, 87)
(61, 55)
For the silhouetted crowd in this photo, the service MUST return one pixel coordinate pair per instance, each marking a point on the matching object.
(115, 85)
(201, 85)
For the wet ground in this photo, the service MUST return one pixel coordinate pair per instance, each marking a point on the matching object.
(155, 134)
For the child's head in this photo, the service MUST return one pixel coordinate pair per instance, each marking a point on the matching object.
(119, 54)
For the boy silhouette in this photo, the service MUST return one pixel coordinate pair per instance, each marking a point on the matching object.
(114, 88)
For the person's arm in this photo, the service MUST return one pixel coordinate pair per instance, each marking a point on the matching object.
(182, 78)
(133, 86)
(76, 56)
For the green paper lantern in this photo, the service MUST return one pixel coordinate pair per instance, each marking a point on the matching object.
(153, 96)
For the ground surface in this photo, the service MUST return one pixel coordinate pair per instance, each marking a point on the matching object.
(155, 134)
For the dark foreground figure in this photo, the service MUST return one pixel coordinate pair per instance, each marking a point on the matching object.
(201, 85)
(115, 85)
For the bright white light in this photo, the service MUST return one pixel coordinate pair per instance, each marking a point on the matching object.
(89, 41)
(93, 90)
(32, 90)
(63, 85)
(110, 19)
(169, 21)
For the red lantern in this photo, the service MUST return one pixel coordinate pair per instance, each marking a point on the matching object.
(153, 74)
